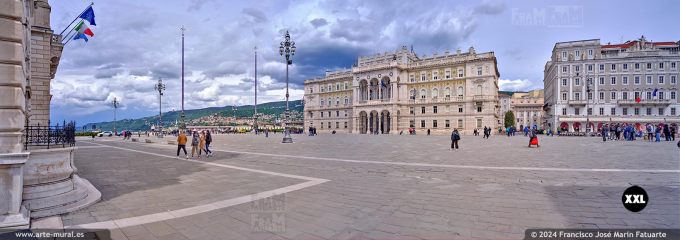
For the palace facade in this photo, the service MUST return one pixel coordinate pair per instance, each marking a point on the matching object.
(397, 91)
(635, 82)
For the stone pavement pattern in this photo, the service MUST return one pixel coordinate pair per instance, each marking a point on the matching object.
(369, 200)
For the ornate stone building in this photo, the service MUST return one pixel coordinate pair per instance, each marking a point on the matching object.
(528, 108)
(35, 181)
(392, 92)
(634, 82)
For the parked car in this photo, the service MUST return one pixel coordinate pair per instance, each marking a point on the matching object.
(106, 133)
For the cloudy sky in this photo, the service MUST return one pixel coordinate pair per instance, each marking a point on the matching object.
(138, 42)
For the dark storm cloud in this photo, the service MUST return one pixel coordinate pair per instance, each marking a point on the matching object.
(318, 22)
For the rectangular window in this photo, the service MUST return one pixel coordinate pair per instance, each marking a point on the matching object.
(590, 96)
(601, 95)
(673, 65)
(460, 109)
(460, 73)
(434, 123)
(613, 68)
(637, 66)
(590, 52)
(601, 111)
(321, 114)
(564, 96)
(601, 67)
(673, 113)
(564, 82)
(624, 80)
(625, 66)
(447, 74)
(649, 66)
(649, 111)
(412, 78)
(637, 80)
(412, 123)
(613, 95)
(460, 123)
(564, 69)
(673, 95)
(337, 113)
(612, 111)
(411, 111)
(649, 79)
(564, 56)
(577, 53)
(601, 80)
(577, 68)
(590, 67)
(422, 110)
(590, 111)
(564, 111)
(613, 80)
(636, 111)
(479, 71)
(661, 95)
(625, 111)
(577, 82)
(674, 79)
(422, 77)
(624, 96)
(479, 109)
(661, 111)
(577, 111)
(661, 66)
(649, 95)
(447, 123)
(422, 123)
(661, 79)
(479, 123)
(345, 124)
(577, 96)
(435, 75)
(337, 124)
(434, 109)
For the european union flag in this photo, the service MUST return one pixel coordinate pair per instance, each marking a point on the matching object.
(88, 15)
(655, 90)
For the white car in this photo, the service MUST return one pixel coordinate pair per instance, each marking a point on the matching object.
(106, 133)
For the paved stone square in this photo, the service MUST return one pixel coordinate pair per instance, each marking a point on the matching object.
(374, 187)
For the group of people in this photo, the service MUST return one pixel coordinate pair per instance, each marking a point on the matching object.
(312, 131)
(200, 142)
(629, 132)
(487, 132)
(127, 135)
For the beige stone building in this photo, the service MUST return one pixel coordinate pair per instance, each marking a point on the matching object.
(528, 108)
(35, 181)
(392, 92)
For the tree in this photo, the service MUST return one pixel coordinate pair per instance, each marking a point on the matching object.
(509, 119)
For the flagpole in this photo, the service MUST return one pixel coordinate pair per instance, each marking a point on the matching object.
(74, 20)
(70, 38)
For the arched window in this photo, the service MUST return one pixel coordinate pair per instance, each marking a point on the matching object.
(447, 92)
(422, 93)
(337, 100)
(321, 102)
(346, 100)
(435, 93)
(413, 94)
(460, 91)
(479, 89)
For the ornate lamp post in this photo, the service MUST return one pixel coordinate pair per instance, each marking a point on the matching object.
(115, 107)
(182, 124)
(160, 87)
(287, 49)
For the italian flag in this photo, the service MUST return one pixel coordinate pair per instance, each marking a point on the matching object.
(83, 28)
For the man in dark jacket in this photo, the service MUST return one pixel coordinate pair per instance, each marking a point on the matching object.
(455, 137)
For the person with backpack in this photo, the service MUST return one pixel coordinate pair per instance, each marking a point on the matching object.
(533, 138)
(195, 140)
(455, 137)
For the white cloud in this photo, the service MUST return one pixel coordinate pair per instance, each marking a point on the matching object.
(517, 85)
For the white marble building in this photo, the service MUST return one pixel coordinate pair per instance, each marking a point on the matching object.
(634, 82)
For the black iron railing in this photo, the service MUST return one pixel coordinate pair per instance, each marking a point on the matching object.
(50, 136)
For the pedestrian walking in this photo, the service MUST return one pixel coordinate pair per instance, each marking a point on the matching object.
(181, 144)
(266, 132)
(667, 132)
(201, 143)
(208, 140)
(195, 140)
(428, 132)
(533, 138)
(604, 132)
(657, 134)
(455, 137)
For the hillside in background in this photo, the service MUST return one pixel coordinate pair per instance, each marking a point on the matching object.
(169, 118)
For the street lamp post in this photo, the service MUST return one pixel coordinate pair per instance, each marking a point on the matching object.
(160, 87)
(115, 107)
(255, 115)
(287, 49)
(589, 82)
